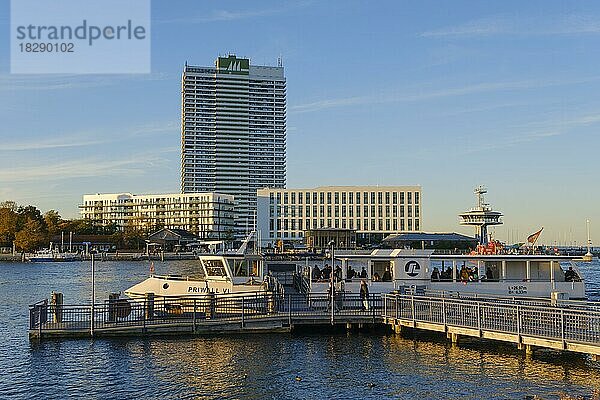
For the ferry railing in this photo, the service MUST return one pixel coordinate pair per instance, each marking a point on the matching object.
(153, 312)
(546, 321)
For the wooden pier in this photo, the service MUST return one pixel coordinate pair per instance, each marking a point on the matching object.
(567, 326)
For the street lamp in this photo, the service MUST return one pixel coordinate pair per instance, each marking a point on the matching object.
(331, 244)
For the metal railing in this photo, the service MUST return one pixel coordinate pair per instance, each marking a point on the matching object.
(547, 321)
(144, 314)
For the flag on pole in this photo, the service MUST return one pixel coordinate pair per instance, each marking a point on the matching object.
(152, 267)
(534, 237)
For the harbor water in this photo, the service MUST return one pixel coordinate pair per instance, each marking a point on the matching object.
(362, 365)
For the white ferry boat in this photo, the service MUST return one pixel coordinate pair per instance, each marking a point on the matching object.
(545, 276)
(235, 274)
(48, 255)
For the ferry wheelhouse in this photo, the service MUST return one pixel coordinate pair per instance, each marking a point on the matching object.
(420, 270)
(235, 274)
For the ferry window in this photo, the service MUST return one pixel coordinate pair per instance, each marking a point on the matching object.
(381, 271)
(214, 268)
(240, 267)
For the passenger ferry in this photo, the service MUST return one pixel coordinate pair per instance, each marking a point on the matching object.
(48, 255)
(547, 276)
(232, 274)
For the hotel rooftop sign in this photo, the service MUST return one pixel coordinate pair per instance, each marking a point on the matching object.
(233, 65)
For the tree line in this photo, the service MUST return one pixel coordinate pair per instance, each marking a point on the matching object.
(30, 229)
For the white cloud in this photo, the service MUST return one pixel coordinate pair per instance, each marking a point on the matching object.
(137, 164)
(482, 87)
(88, 138)
(12, 82)
(518, 25)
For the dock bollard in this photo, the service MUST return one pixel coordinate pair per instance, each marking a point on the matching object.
(56, 307)
(212, 306)
(149, 312)
(112, 306)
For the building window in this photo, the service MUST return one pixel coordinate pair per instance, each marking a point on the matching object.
(401, 211)
(402, 225)
(409, 211)
(322, 198)
(417, 197)
(337, 211)
(365, 197)
(410, 224)
(358, 211)
(394, 197)
(337, 198)
(395, 224)
(416, 211)
(357, 224)
(402, 198)
(285, 198)
(307, 197)
(351, 197)
(379, 197)
(372, 197)
(357, 197)
(299, 198)
(409, 194)
(416, 224)
(373, 224)
(328, 211)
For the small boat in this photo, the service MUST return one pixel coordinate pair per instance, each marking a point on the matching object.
(234, 274)
(48, 255)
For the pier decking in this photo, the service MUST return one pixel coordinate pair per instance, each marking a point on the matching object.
(570, 326)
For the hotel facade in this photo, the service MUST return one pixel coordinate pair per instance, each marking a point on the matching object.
(207, 215)
(372, 211)
(233, 131)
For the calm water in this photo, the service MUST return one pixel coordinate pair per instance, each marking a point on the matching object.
(332, 365)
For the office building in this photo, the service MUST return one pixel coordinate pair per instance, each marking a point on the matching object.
(233, 131)
(372, 211)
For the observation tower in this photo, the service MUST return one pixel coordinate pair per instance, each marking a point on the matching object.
(481, 216)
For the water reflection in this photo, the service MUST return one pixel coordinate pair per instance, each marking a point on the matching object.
(330, 365)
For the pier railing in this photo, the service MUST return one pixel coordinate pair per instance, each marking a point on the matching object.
(555, 322)
(192, 312)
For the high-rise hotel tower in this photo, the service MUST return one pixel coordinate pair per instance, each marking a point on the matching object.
(233, 131)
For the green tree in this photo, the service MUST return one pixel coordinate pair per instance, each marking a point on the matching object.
(31, 237)
(53, 222)
(8, 224)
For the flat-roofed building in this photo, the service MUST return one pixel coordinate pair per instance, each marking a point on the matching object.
(233, 131)
(372, 211)
(206, 215)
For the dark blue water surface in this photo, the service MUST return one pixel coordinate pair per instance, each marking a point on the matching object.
(368, 365)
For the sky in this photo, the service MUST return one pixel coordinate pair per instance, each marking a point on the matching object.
(447, 95)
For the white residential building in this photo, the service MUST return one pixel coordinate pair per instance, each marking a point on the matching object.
(207, 215)
(372, 211)
(233, 131)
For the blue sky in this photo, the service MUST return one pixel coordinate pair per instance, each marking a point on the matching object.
(447, 95)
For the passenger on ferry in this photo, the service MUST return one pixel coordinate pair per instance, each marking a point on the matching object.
(387, 275)
(473, 274)
(363, 273)
(435, 275)
(338, 273)
(316, 273)
(464, 274)
(326, 272)
(489, 274)
(364, 294)
(571, 276)
(350, 273)
(446, 275)
(376, 277)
